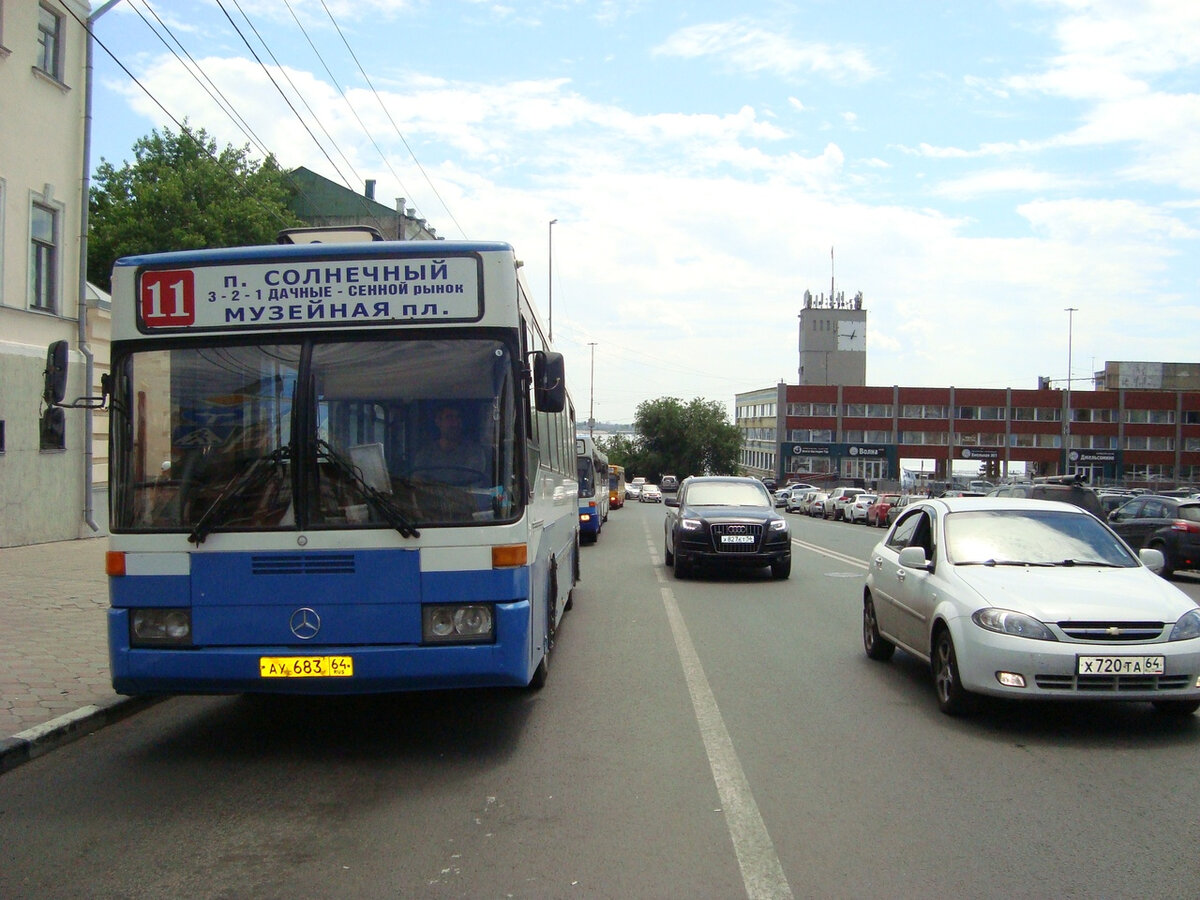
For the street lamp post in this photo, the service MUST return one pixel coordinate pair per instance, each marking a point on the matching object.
(550, 276)
(592, 395)
(1070, 311)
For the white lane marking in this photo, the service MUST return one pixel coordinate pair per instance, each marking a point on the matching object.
(762, 873)
(832, 554)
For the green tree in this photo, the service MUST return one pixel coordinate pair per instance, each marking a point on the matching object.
(181, 194)
(695, 438)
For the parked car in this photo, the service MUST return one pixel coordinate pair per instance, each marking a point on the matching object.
(1029, 599)
(781, 496)
(877, 511)
(835, 503)
(798, 498)
(856, 509)
(815, 504)
(1170, 525)
(1110, 500)
(1063, 488)
(650, 494)
(725, 521)
(669, 483)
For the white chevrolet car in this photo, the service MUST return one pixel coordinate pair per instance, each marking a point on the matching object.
(1029, 599)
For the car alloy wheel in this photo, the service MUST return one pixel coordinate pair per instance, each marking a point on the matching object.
(953, 700)
(877, 646)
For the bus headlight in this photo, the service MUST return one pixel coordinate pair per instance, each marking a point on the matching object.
(467, 623)
(160, 627)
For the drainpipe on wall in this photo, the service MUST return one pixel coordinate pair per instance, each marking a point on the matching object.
(85, 190)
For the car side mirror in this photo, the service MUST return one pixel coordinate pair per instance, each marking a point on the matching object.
(671, 501)
(54, 386)
(1152, 559)
(914, 558)
(549, 382)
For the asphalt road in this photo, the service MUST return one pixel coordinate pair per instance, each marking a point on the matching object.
(717, 737)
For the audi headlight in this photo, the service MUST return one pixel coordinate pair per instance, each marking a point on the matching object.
(466, 623)
(1005, 621)
(1187, 627)
(690, 524)
(159, 627)
(779, 524)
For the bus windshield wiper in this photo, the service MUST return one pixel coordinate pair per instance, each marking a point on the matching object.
(252, 476)
(385, 507)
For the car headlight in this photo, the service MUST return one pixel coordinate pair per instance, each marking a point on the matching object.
(468, 623)
(689, 524)
(1005, 621)
(779, 525)
(160, 627)
(1187, 627)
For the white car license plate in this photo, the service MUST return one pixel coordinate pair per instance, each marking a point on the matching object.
(737, 539)
(1120, 665)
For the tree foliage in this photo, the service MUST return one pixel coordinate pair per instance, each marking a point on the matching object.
(672, 437)
(180, 193)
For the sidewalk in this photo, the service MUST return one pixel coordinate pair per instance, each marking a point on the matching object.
(54, 677)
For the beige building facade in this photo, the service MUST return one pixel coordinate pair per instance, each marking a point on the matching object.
(42, 95)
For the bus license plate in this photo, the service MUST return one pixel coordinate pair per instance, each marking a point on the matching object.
(1120, 665)
(737, 539)
(306, 666)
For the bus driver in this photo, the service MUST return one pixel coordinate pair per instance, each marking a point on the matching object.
(452, 457)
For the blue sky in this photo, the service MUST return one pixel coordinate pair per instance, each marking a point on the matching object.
(979, 167)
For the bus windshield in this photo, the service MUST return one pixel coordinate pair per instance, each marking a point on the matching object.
(317, 433)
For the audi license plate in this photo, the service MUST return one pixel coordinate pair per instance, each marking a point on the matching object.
(737, 539)
(306, 666)
(1120, 665)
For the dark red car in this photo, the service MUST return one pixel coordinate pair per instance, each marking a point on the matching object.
(877, 512)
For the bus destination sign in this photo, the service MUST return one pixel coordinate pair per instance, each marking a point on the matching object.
(319, 293)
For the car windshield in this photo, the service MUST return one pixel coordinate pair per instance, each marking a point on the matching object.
(1031, 537)
(727, 493)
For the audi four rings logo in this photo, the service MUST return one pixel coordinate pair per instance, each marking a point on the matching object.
(305, 623)
(737, 529)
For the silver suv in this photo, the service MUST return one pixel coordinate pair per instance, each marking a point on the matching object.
(838, 500)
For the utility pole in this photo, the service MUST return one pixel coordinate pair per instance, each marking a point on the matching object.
(1070, 311)
(550, 276)
(592, 398)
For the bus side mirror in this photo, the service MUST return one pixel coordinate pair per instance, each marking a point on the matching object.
(549, 382)
(55, 376)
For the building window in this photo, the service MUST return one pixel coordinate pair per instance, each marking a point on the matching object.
(855, 410)
(924, 411)
(992, 413)
(43, 258)
(879, 410)
(933, 438)
(1150, 416)
(1, 435)
(1146, 442)
(50, 41)
(1091, 415)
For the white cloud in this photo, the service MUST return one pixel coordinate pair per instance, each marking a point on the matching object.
(749, 47)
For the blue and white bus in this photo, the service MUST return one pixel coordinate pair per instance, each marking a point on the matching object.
(593, 488)
(335, 468)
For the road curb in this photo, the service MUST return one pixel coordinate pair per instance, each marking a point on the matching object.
(33, 742)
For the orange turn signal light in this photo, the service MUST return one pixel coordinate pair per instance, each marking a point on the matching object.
(509, 556)
(114, 563)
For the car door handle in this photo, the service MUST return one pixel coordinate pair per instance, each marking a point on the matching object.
(901, 574)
